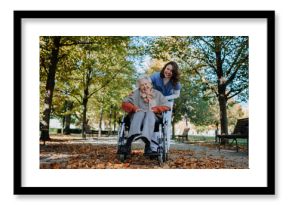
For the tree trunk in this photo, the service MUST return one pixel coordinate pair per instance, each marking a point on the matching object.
(100, 122)
(87, 82)
(110, 121)
(223, 114)
(67, 118)
(115, 120)
(221, 89)
(85, 103)
(173, 129)
(50, 82)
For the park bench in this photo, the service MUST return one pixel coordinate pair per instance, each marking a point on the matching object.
(183, 136)
(241, 131)
(89, 131)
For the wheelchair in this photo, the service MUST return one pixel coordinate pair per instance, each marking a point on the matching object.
(160, 136)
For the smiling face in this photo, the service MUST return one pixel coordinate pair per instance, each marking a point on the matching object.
(145, 86)
(168, 71)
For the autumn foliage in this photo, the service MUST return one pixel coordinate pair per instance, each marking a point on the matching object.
(70, 154)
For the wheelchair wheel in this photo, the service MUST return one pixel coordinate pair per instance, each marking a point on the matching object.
(121, 140)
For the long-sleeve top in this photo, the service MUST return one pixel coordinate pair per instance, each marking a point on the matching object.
(169, 90)
(134, 101)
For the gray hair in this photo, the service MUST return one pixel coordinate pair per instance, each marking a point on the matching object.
(145, 77)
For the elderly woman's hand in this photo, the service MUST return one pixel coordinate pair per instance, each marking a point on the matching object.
(129, 107)
(159, 109)
(138, 110)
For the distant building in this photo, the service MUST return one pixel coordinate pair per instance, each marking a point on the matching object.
(57, 124)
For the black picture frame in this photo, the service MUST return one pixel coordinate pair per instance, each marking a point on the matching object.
(19, 189)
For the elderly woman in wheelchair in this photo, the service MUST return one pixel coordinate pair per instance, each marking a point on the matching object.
(145, 107)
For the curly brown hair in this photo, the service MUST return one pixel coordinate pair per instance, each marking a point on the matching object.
(175, 72)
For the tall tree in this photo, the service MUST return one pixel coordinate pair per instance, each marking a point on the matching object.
(219, 64)
(226, 67)
(54, 43)
(107, 60)
(77, 69)
(53, 49)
